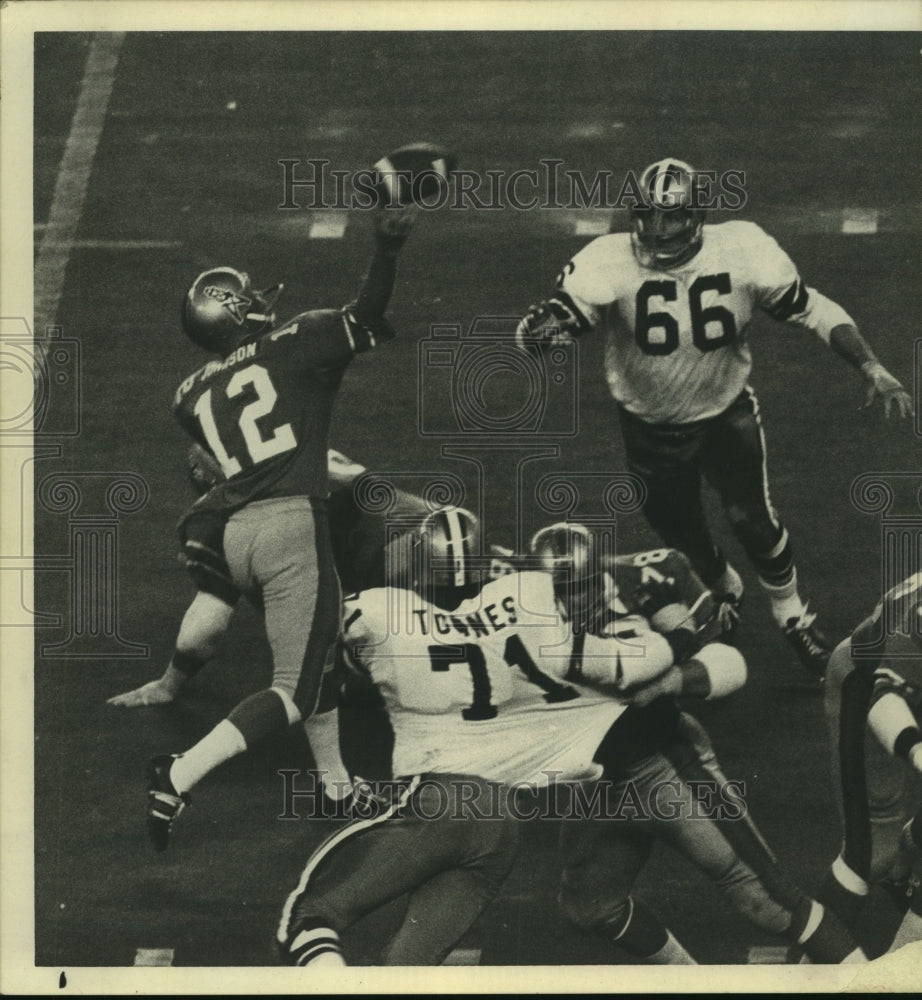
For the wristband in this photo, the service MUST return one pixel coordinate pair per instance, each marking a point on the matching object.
(873, 367)
(726, 669)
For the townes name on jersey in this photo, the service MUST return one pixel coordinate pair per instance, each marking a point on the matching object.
(469, 624)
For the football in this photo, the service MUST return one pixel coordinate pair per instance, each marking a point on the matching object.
(415, 174)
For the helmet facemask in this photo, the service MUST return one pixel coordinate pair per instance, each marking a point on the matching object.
(581, 585)
(667, 228)
(222, 308)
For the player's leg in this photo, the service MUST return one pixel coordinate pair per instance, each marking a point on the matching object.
(846, 696)
(409, 847)
(910, 930)
(303, 602)
(281, 550)
(600, 860)
(442, 908)
(717, 835)
(735, 462)
(666, 460)
(207, 617)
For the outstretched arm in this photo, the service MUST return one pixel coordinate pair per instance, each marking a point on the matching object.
(714, 671)
(848, 343)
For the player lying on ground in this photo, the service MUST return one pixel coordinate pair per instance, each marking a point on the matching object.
(873, 713)
(675, 297)
(263, 410)
(654, 745)
(484, 694)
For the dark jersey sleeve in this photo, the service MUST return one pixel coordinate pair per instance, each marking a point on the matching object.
(326, 339)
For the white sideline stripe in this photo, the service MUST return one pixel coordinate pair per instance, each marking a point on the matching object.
(116, 245)
(771, 954)
(328, 226)
(73, 176)
(463, 956)
(153, 956)
(860, 221)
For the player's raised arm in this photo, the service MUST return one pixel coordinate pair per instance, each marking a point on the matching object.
(392, 226)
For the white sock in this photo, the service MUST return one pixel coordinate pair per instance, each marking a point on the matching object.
(910, 930)
(322, 733)
(328, 958)
(786, 602)
(222, 743)
(672, 953)
(730, 582)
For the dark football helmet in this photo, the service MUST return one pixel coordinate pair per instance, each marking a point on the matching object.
(667, 228)
(222, 307)
(570, 552)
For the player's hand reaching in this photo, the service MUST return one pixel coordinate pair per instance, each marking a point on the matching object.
(152, 693)
(881, 383)
(393, 225)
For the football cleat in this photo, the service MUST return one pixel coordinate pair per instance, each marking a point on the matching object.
(164, 803)
(812, 647)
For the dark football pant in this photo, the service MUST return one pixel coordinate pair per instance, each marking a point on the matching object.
(432, 846)
(279, 554)
(729, 450)
(602, 858)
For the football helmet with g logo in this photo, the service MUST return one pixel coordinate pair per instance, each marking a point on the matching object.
(667, 228)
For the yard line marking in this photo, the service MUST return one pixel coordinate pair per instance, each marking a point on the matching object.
(328, 226)
(118, 245)
(73, 176)
(463, 956)
(596, 224)
(153, 956)
(859, 220)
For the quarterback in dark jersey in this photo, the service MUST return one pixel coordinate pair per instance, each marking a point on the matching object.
(263, 410)
(873, 713)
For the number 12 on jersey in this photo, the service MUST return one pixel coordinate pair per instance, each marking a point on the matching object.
(280, 440)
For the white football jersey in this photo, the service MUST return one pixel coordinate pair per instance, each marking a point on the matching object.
(676, 349)
(488, 688)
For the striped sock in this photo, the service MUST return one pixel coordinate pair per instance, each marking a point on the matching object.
(316, 946)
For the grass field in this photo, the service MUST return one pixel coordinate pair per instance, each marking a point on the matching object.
(186, 176)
